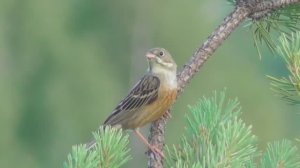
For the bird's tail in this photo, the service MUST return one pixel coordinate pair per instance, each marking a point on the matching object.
(90, 145)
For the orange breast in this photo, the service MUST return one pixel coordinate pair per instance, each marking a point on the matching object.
(152, 112)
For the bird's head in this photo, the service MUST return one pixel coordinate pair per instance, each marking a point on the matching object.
(160, 60)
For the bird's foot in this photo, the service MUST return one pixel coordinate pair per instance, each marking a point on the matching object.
(167, 114)
(156, 151)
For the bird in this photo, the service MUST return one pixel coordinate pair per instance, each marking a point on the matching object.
(149, 98)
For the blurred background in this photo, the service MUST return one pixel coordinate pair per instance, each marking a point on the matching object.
(64, 65)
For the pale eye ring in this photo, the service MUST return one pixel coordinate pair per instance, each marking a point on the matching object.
(161, 53)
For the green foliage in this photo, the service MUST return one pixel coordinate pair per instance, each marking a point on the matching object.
(216, 137)
(289, 87)
(80, 157)
(267, 26)
(281, 154)
(110, 152)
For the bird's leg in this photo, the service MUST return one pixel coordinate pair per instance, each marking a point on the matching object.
(144, 140)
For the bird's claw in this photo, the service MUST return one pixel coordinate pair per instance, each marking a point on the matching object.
(167, 115)
(156, 151)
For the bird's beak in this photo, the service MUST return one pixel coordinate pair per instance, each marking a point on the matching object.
(150, 56)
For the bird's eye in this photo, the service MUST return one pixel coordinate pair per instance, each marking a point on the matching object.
(161, 53)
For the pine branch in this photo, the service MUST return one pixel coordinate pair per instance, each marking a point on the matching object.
(281, 154)
(269, 24)
(289, 87)
(244, 9)
(110, 152)
(215, 136)
(80, 157)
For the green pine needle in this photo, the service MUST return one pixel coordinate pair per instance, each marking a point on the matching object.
(111, 151)
(236, 144)
(281, 154)
(289, 87)
(215, 137)
(112, 147)
(80, 158)
(266, 29)
(210, 113)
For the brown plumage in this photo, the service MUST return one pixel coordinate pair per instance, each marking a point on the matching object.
(150, 98)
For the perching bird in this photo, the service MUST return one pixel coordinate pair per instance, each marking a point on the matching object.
(149, 99)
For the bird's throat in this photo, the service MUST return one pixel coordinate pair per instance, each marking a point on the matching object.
(167, 77)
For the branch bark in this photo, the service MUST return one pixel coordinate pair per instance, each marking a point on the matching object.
(244, 9)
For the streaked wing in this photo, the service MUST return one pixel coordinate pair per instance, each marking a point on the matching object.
(143, 93)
